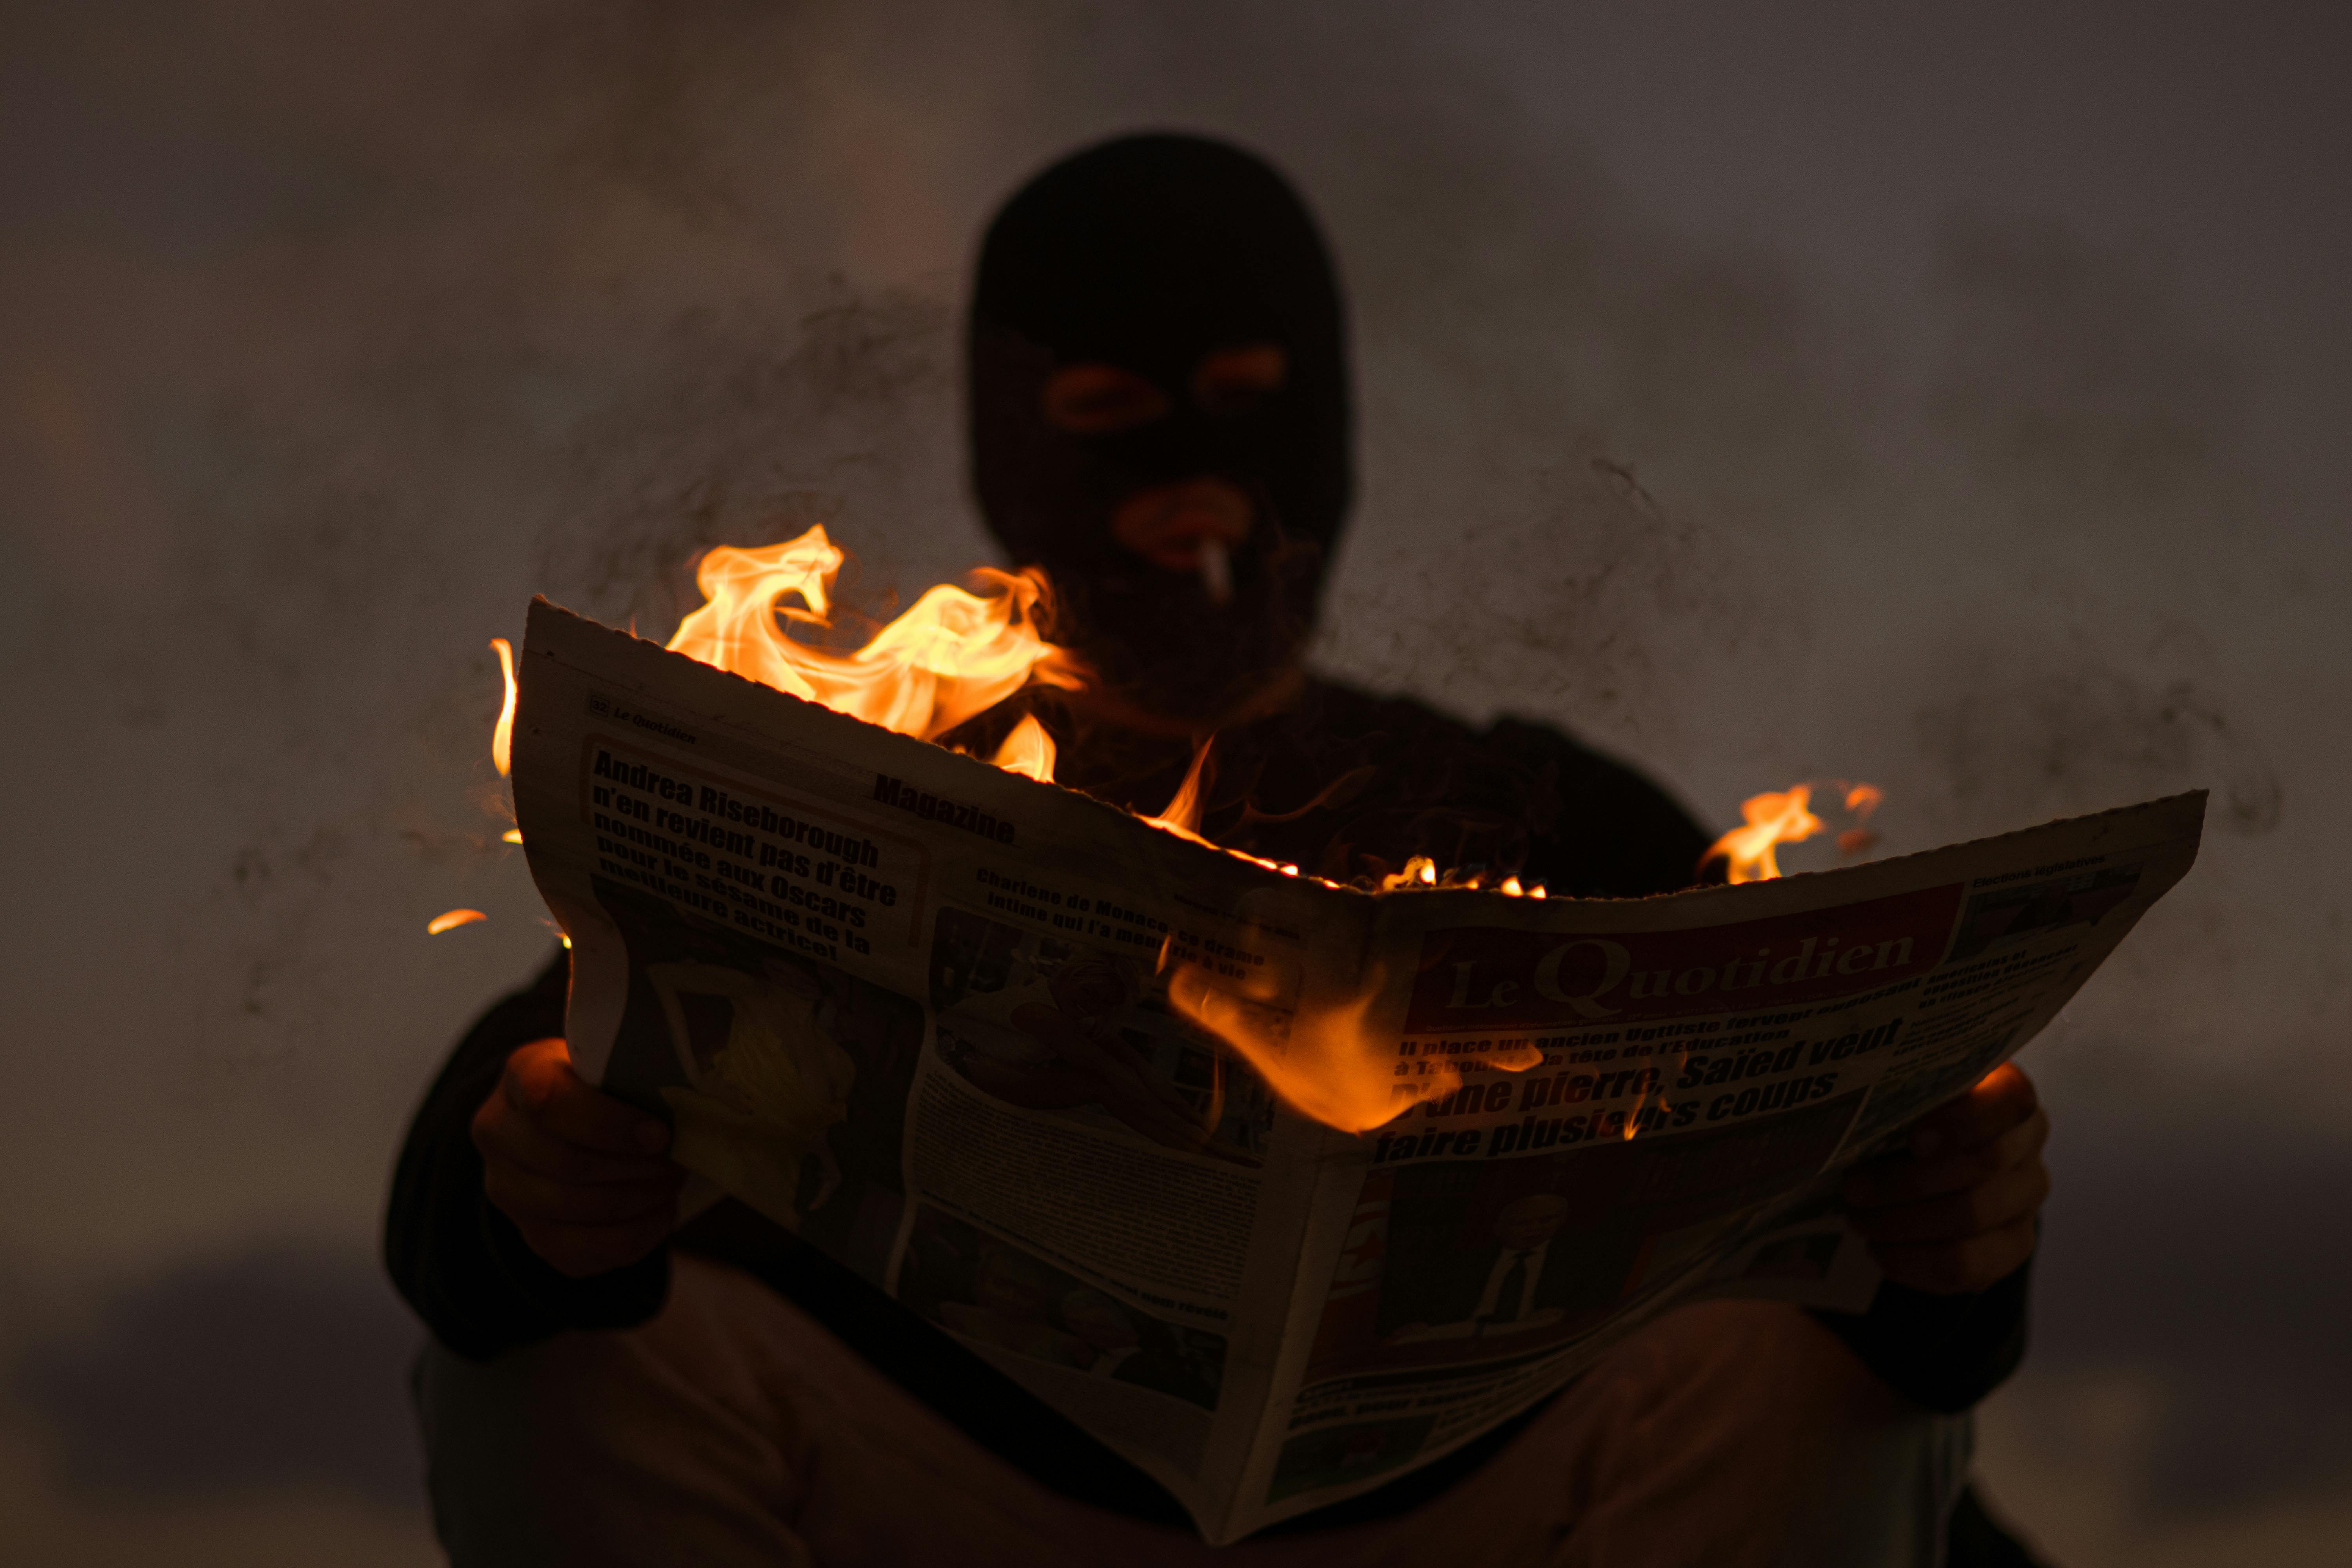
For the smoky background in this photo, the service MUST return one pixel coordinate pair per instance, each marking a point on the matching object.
(1853, 392)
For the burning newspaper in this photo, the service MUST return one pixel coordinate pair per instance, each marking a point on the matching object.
(1278, 1188)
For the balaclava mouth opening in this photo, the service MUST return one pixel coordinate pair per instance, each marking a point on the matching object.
(1150, 253)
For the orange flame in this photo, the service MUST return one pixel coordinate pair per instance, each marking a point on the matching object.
(1785, 816)
(1860, 800)
(954, 654)
(951, 656)
(1183, 813)
(451, 919)
(1420, 871)
(1640, 1103)
(1028, 750)
(1328, 1064)
(1182, 817)
(502, 735)
(1773, 819)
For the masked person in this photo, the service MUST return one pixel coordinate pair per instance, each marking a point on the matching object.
(1160, 417)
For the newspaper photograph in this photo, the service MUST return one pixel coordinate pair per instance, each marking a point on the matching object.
(1277, 1187)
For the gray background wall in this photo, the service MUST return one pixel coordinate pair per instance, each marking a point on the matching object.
(1984, 368)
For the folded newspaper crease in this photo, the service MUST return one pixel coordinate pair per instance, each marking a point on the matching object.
(915, 1007)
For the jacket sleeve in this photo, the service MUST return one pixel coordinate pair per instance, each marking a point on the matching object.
(453, 1257)
(1943, 1351)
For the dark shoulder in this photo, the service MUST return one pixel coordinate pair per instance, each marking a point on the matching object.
(1610, 829)
(1346, 720)
(1352, 783)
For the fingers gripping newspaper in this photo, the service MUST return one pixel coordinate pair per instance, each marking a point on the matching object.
(918, 1009)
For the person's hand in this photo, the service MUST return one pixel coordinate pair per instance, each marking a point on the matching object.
(581, 1173)
(1955, 1212)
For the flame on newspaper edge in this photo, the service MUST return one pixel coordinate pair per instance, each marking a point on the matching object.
(1326, 1062)
(502, 732)
(955, 654)
(1750, 852)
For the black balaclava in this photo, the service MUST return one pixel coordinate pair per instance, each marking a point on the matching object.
(1149, 252)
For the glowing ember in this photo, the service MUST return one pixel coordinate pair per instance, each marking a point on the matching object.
(951, 655)
(451, 919)
(1786, 817)
(512, 836)
(503, 736)
(1420, 871)
(1860, 802)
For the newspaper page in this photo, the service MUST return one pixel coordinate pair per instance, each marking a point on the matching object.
(1709, 1062)
(910, 1007)
(916, 1009)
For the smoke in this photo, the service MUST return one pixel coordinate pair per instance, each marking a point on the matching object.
(2062, 732)
(1574, 629)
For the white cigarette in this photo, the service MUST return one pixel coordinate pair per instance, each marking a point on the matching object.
(1216, 572)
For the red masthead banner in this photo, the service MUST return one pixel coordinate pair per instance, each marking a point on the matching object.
(1476, 977)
